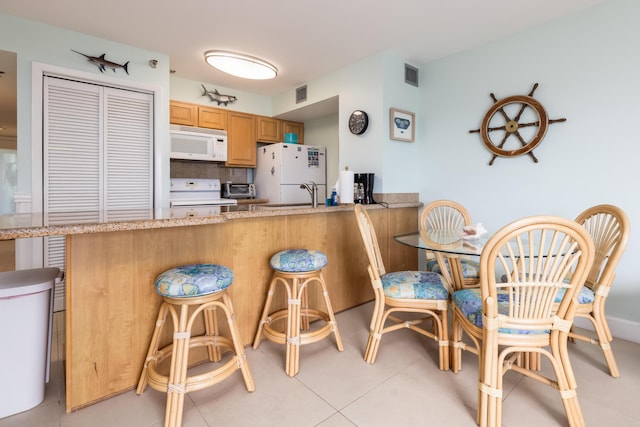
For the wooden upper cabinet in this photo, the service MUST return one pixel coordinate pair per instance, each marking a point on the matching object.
(241, 139)
(182, 113)
(185, 114)
(294, 127)
(213, 118)
(268, 129)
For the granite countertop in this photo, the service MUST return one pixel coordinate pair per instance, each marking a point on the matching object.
(25, 225)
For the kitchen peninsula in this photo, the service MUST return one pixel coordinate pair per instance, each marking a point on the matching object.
(111, 267)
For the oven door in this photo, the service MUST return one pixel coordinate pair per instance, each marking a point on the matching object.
(194, 211)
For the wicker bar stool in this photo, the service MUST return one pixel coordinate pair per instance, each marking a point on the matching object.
(187, 292)
(296, 269)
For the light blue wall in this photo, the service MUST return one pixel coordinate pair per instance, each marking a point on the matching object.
(588, 69)
(403, 162)
(323, 132)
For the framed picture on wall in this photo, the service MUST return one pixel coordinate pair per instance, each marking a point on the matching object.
(402, 125)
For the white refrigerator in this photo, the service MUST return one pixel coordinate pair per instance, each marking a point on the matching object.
(281, 168)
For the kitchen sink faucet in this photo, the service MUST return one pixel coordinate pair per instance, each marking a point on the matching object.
(312, 188)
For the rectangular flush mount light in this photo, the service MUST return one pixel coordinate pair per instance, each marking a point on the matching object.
(239, 65)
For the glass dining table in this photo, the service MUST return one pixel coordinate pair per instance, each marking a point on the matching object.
(448, 247)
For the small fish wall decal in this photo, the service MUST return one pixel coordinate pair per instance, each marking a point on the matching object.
(218, 97)
(102, 63)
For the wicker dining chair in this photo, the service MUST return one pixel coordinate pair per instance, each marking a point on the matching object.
(511, 320)
(419, 292)
(608, 226)
(447, 214)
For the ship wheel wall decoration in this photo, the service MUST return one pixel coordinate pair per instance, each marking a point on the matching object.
(520, 116)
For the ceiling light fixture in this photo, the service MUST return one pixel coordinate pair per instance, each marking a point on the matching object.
(240, 65)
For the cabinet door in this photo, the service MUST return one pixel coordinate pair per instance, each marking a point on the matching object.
(294, 127)
(213, 118)
(269, 129)
(182, 113)
(241, 134)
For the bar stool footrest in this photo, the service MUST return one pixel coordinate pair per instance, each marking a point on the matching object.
(304, 337)
(160, 382)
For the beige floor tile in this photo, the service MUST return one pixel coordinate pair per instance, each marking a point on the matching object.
(339, 389)
(278, 401)
(336, 420)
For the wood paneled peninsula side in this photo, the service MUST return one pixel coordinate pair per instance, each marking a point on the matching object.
(112, 265)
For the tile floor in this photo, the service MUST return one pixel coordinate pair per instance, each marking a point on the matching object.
(333, 389)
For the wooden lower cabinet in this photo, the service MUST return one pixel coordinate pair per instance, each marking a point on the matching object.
(112, 303)
(7, 255)
(241, 139)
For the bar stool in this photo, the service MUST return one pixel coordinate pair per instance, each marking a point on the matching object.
(188, 291)
(296, 269)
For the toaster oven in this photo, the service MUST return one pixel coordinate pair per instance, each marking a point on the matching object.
(238, 191)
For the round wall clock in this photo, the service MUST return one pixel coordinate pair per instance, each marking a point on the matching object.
(358, 122)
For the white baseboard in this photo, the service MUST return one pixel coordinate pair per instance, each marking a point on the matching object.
(620, 328)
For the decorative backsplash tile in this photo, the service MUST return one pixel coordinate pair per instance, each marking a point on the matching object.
(396, 197)
(195, 169)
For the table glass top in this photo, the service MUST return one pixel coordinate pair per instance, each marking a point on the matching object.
(447, 241)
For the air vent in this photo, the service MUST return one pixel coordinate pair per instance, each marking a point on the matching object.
(411, 75)
(301, 94)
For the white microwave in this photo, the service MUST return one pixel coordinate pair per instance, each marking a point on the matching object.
(191, 143)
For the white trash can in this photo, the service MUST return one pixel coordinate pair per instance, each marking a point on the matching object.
(26, 314)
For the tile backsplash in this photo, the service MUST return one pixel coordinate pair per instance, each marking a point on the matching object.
(195, 169)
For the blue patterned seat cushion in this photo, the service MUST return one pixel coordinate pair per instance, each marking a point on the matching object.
(298, 261)
(469, 301)
(470, 269)
(194, 280)
(584, 297)
(414, 285)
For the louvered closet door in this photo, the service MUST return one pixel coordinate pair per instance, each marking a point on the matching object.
(128, 152)
(97, 156)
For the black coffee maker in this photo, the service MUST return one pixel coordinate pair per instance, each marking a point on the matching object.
(363, 188)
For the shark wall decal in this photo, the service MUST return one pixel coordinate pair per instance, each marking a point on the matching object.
(218, 97)
(102, 63)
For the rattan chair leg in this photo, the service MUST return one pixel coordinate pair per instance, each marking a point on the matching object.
(332, 317)
(176, 387)
(443, 335)
(211, 329)
(293, 330)
(456, 340)
(604, 341)
(375, 335)
(304, 309)
(265, 313)
(153, 346)
(238, 345)
(378, 309)
(570, 402)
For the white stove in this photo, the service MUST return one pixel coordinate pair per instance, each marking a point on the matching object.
(196, 197)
